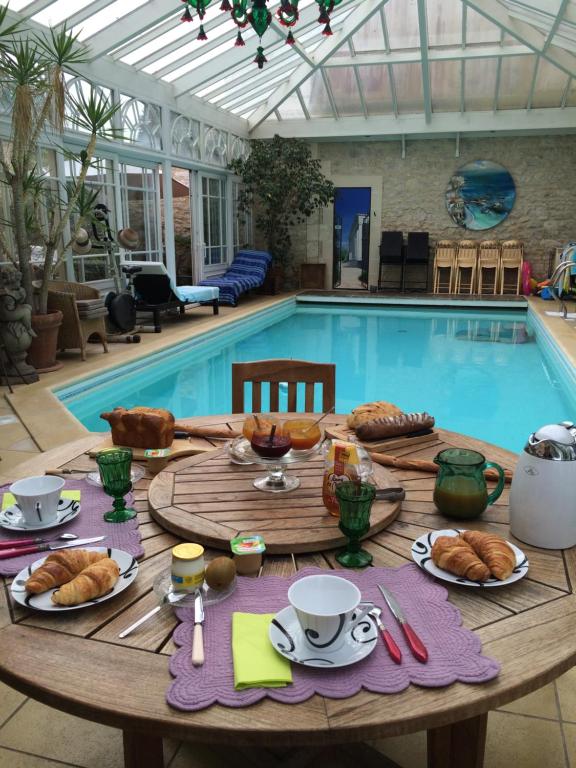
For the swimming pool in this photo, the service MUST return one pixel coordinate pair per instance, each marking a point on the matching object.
(493, 375)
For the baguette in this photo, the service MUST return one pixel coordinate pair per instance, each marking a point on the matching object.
(390, 426)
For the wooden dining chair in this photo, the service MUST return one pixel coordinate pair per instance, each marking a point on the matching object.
(276, 372)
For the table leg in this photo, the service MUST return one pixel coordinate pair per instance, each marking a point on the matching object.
(460, 745)
(141, 750)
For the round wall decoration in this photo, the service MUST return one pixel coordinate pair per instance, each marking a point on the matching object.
(480, 195)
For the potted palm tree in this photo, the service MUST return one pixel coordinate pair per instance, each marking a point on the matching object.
(33, 85)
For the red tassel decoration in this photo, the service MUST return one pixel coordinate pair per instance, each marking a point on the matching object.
(239, 41)
(327, 31)
(202, 35)
(324, 18)
(225, 6)
(260, 58)
(290, 39)
(186, 16)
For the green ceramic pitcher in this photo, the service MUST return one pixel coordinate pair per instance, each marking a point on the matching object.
(460, 489)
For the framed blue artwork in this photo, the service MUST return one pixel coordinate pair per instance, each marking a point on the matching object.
(480, 195)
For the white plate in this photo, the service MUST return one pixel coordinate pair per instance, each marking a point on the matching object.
(287, 637)
(163, 585)
(43, 602)
(11, 517)
(421, 555)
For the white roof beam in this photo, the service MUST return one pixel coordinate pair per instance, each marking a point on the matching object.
(35, 7)
(555, 24)
(566, 92)
(441, 54)
(238, 86)
(533, 84)
(360, 92)
(236, 98)
(513, 121)
(497, 85)
(393, 93)
(425, 66)
(276, 27)
(385, 34)
(462, 86)
(200, 76)
(85, 13)
(363, 11)
(525, 33)
(464, 23)
(134, 23)
(331, 99)
(147, 37)
(303, 104)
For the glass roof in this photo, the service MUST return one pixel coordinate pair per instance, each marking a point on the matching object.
(393, 59)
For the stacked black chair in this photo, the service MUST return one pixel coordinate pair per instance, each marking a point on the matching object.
(417, 254)
(391, 255)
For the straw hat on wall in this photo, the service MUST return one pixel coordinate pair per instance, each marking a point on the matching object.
(128, 239)
(81, 244)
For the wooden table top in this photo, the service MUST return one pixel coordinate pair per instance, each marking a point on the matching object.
(76, 662)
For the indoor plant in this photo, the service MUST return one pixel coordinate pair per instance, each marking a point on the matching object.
(284, 184)
(33, 86)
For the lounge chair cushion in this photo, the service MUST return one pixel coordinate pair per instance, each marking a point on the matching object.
(194, 293)
(248, 270)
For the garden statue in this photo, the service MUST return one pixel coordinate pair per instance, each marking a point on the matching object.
(16, 332)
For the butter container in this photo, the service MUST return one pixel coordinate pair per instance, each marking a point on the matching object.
(187, 567)
(157, 459)
(247, 551)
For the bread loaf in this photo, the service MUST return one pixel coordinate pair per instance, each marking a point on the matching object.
(369, 411)
(390, 426)
(141, 427)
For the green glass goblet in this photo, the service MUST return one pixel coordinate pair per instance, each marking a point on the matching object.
(114, 465)
(355, 501)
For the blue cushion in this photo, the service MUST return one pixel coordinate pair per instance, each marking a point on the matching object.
(193, 293)
(248, 270)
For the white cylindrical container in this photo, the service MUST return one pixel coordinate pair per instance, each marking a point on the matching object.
(187, 567)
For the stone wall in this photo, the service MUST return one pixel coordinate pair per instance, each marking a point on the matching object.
(413, 191)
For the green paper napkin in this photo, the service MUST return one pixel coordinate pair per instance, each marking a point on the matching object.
(256, 663)
(8, 500)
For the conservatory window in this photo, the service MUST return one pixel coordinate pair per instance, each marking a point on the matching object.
(78, 88)
(141, 122)
(98, 264)
(214, 220)
(184, 136)
(215, 146)
(140, 197)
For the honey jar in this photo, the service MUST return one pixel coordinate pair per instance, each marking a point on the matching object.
(187, 567)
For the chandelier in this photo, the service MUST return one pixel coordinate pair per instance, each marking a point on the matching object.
(256, 13)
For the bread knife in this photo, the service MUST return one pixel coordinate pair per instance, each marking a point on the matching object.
(198, 639)
(414, 643)
(16, 551)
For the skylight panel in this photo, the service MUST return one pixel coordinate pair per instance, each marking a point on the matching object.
(402, 23)
(18, 5)
(253, 102)
(315, 96)
(369, 37)
(345, 90)
(156, 45)
(479, 29)
(58, 11)
(408, 82)
(210, 55)
(291, 109)
(516, 75)
(376, 90)
(480, 84)
(549, 86)
(444, 21)
(445, 85)
(107, 17)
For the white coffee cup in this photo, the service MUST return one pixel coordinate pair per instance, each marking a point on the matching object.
(37, 498)
(327, 607)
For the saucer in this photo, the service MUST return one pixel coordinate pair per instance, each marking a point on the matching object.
(163, 585)
(11, 517)
(286, 636)
(136, 473)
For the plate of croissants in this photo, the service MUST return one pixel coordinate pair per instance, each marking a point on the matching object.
(74, 578)
(470, 558)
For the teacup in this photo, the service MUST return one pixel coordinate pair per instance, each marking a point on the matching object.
(37, 498)
(327, 607)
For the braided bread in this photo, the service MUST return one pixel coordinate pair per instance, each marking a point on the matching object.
(390, 426)
(370, 411)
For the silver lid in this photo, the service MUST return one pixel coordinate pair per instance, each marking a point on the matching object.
(556, 442)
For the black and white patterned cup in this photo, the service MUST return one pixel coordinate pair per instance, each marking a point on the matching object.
(327, 608)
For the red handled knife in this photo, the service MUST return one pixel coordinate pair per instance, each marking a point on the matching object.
(416, 645)
(16, 552)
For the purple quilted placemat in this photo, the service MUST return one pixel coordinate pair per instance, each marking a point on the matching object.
(90, 522)
(455, 653)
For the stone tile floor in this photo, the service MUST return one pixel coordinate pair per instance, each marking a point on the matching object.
(537, 730)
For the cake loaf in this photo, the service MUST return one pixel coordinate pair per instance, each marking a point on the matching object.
(141, 427)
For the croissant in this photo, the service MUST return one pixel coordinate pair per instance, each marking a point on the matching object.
(454, 554)
(92, 582)
(494, 551)
(60, 567)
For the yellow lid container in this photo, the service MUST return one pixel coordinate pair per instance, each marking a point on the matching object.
(187, 551)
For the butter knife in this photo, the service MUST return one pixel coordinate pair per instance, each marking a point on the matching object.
(17, 551)
(198, 639)
(416, 645)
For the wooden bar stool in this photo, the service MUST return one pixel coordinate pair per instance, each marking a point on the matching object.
(444, 259)
(466, 262)
(488, 267)
(511, 261)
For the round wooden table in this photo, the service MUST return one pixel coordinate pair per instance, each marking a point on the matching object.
(76, 662)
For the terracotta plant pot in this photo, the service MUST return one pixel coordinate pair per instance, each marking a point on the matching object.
(42, 352)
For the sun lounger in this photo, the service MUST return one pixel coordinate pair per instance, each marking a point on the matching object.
(247, 271)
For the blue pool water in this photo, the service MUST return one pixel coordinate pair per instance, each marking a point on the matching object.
(462, 367)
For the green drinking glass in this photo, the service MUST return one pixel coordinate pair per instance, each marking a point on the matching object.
(115, 465)
(355, 502)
